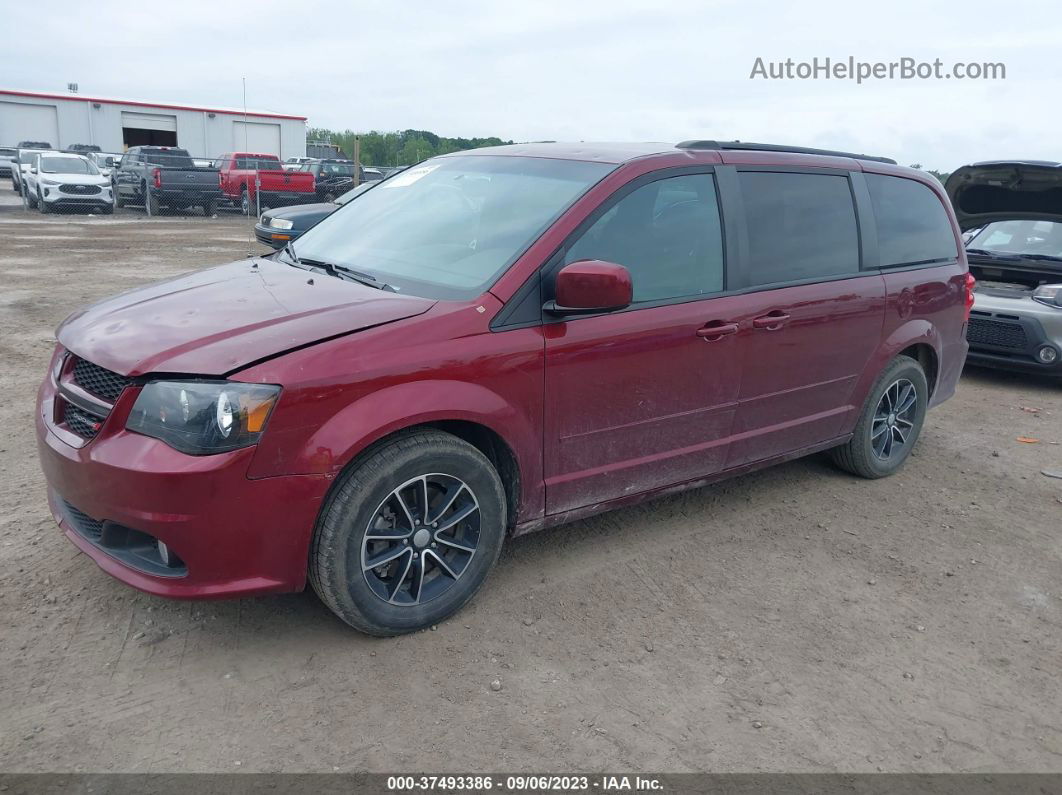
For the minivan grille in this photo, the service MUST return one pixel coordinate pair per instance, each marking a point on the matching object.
(100, 381)
(998, 333)
(81, 422)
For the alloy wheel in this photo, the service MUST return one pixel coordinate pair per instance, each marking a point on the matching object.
(893, 423)
(421, 539)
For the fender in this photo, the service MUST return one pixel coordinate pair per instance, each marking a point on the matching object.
(335, 443)
(915, 331)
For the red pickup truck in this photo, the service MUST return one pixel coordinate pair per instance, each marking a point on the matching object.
(238, 173)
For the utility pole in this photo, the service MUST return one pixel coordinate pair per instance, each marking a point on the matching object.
(357, 160)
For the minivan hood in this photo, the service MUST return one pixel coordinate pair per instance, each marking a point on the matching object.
(215, 321)
(1010, 190)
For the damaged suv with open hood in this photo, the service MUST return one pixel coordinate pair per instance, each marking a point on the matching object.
(1011, 215)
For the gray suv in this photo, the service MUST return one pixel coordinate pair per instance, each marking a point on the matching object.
(1011, 215)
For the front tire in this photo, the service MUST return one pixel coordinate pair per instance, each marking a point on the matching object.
(428, 509)
(890, 422)
(42, 205)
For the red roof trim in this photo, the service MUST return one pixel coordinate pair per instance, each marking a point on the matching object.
(168, 105)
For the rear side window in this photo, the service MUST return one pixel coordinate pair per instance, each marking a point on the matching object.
(666, 233)
(800, 226)
(913, 226)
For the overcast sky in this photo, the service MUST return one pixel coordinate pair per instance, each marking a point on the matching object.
(574, 70)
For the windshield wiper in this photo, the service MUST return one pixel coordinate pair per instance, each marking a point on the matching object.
(992, 254)
(1043, 257)
(339, 271)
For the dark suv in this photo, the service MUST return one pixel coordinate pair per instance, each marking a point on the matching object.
(494, 342)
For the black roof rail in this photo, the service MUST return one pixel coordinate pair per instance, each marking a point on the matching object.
(801, 150)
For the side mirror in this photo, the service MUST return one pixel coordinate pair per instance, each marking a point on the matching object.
(589, 286)
(33, 169)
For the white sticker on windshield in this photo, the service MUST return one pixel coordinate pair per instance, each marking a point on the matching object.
(409, 176)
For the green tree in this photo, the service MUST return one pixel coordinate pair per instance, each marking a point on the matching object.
(400, 148)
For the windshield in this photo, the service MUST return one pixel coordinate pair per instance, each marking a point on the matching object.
(448, 227)
(350, 194)
(67, 165)
(26, 156)
(337, 170)
(172, 158)
(1020, 237)
(5, 152)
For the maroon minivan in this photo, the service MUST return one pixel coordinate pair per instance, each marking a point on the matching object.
(494, 342)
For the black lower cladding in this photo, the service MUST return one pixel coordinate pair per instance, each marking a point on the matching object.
(135, 549)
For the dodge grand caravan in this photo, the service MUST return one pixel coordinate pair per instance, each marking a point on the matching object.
(495, 342)
(1011, 212)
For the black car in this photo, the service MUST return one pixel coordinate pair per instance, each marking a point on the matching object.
(335, 177)
(279, 227)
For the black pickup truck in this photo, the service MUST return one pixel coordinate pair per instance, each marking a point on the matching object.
(164, 176)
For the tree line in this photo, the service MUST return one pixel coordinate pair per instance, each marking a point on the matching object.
(398, 148)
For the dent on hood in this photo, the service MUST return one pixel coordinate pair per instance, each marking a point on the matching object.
(216, 321)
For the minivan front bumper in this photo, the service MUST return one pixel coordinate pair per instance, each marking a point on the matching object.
(1009, 332)
(121, 492)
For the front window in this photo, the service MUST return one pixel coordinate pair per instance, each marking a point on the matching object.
(448, 227)
(1020, 237)
(67, 165)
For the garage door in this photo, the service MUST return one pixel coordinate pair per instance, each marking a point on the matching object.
(20, 121)
(149, 121)
(257, 137)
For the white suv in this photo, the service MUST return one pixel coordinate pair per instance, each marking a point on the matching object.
(60, 179)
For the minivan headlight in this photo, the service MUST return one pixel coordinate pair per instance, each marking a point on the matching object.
(203, 417)
(1050, 294)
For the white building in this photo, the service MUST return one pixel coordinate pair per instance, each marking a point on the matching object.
(116, 124)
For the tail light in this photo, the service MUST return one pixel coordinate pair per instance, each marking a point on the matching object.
(157, 174)
(969, 285)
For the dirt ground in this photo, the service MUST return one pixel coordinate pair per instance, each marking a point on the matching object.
(794, 619)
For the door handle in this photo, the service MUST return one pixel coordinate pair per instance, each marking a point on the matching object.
(771, 321)
(711, 332)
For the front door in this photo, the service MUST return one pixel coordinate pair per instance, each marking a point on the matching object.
(645, 397)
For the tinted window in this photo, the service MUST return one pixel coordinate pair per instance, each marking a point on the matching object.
(173, 158)
(800, 226)
(260, 163)
(913, 227)
(666, 233)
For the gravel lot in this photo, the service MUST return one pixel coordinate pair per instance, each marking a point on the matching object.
(795, 619)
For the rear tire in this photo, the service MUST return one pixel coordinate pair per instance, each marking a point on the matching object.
(889, 424)
(209, 208)
(377, 512)
(245, 203)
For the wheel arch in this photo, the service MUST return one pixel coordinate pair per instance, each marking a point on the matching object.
(917, 338)
(484, 438)
(471, 412)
